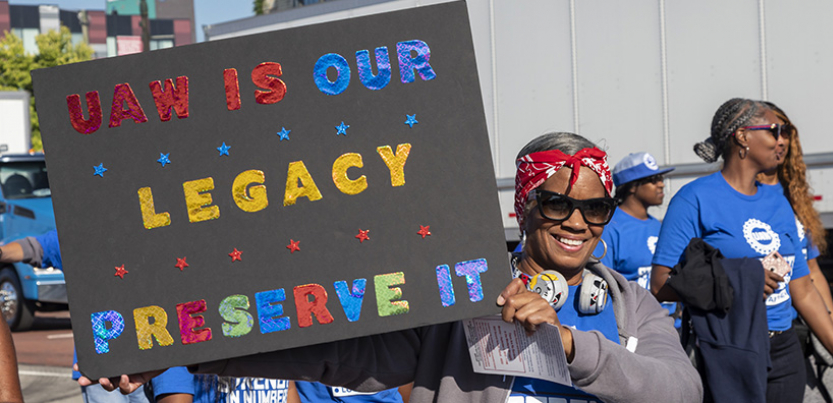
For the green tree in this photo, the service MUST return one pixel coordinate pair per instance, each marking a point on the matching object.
(258, 7)
(55, 48)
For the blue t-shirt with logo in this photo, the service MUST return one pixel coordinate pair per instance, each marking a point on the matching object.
(314, 392)
(528, 390)
(631, 243)
(740, 226)
(212, 389)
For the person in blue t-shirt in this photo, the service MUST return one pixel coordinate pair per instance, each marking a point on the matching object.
(790, 179)
(732, 212)
(43, 251)
(177, 385)
(629, 240)
(315, 392)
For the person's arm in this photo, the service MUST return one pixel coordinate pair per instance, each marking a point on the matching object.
(810, 306)
(659, 284)
(821, 285)
(658, 370)
(292, 394)
(680, 225)
(405, 392)
(9, 380)
(11, 253)
(175, 398)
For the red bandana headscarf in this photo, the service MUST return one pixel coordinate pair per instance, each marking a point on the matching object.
(534, 169)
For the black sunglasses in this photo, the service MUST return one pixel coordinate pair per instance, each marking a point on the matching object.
(558, 207)
(776, 129)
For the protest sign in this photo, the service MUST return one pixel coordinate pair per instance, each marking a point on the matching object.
(272, 191)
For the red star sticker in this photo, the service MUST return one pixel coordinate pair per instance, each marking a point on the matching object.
(363, 235)
(120, 272)
(293, 246)
(181, 264)
(235, 255)
(424, 231)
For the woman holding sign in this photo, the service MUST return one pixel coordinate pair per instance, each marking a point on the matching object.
(622, 348)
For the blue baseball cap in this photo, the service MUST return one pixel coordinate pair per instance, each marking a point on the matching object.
(636, 166)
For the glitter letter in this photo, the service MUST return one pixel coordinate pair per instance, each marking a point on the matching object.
(386, 294)
(150, 217)
(262, 78)
(351, 302)
(122, 95)
(343, 183)
(234, 310)
(232, 89)
(145, 330)
(198, 202)
(407, 63)
(446, 288)
(268, 311)
(102, 335)
(317, 306)
(189, 323)
(320, 74)
(171, 96)
(472, 269)
(253, 200)
(381, 79)
(395, 163)
(76, 115)
(297, 172)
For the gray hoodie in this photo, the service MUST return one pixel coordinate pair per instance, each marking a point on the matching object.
(436, 359)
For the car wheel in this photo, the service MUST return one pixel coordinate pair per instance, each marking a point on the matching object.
(17, 311)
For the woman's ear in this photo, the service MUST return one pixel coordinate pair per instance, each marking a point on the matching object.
(740, 138)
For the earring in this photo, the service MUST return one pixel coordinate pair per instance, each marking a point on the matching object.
(743, 152)
(604, 253)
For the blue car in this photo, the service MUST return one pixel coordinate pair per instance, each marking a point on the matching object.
(26, 210)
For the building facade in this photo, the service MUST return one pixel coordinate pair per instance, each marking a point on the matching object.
(111, 32)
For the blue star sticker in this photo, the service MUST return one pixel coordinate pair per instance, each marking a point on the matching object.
(163, 159)
(99, 170)
(342, 129)
(411, 121)
(284, 134)
(223, 149)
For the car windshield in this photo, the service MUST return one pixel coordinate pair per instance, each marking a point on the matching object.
(24, 180)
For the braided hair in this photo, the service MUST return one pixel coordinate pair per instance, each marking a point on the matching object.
(731, 116)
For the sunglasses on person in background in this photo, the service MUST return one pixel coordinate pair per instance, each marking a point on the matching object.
(558, 207)
(776, 129)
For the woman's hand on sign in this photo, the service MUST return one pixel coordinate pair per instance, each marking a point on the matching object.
(532, 310)
(771, 280)
(126, 384)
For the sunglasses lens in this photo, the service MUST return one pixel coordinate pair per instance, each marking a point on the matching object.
(597, 211)
(556, 207)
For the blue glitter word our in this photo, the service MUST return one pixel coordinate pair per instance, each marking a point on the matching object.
(412, 56)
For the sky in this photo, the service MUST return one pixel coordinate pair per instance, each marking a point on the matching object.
(205, 11)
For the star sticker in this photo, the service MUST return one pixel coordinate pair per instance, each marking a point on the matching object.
(100, 170)
(181, 264)
(424, 231)
(363, 235)
(293, 246)
(163, 159)
(284, 134)
(411, 121)
(120, 271)
(235, 255)
(342, 129)
(223, 149)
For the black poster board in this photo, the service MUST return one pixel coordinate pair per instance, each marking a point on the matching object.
(272, 191)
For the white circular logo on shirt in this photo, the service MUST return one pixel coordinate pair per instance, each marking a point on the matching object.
(800, 228)
(652, 244)
(760, 236)
(650, 162)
